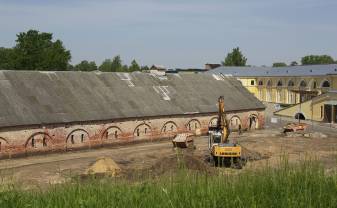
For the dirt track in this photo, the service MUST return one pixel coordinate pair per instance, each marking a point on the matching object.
(268, 145)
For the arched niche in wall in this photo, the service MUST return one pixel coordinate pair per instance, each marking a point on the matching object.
(4, 145)
(269, 83)
(213, 122)
(193, 124)
(111, 133)
(253, 122)
(169, 127)
(312, 84)
(279, 83)
(77, 136)
(235, 122)
(303, 84)
(291, 83)
(142, 130)
(39, 140)
(325, 84)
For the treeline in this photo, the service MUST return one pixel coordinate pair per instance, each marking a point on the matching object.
(36, 50)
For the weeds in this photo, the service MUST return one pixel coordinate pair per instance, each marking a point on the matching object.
(302, 185)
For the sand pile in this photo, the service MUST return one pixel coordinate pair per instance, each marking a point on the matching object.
(104, 166)
(252, 155)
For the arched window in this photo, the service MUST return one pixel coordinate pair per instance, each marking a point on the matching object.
(77, 136)
(169, 127)
(269, 83)
(303, 84)
(291, 83)
(142, 130)
(326, 83)
(193, 125)
(38, 140)
(279, 83)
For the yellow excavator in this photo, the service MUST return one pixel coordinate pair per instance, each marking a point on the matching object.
(223, 152)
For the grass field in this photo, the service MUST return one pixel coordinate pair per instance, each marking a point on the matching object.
(303, 185)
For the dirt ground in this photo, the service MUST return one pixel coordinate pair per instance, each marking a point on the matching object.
(262, 147)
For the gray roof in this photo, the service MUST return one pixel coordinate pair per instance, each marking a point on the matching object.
(32, 97)
(289, 71)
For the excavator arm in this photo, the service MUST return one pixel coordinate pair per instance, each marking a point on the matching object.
(222, 124)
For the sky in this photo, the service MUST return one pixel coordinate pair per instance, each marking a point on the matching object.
(178, 33)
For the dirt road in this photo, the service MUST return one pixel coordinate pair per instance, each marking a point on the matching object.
(57, 168)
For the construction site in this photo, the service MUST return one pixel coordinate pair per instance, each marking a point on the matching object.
(59, 125)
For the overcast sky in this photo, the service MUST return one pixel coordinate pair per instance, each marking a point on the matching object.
(178, 33)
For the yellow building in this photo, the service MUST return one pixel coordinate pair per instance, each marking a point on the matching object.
(322, 108)
(308, 92)
(284, 85)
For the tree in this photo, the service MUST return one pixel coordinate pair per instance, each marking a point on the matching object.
(37, 51)
(105, 66)
(134, 66)
(293, 63)
(116, 64)
(86, 66)
(279, 64)
(235, 58)
(144, 68)
(6, 58)
(317, 59)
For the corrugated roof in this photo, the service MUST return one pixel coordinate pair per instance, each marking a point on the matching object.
(31, 97)
(289, 71)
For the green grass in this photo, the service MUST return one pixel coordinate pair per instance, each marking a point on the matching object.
(303, 185)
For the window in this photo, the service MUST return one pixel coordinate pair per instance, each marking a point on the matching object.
(252, 82)
(82, 138)
(172, 127)
(189, 126)
(279, 83)
(260, 83)
(269, 83)
(303, 84)
(321, 111)
(72, 139)
(116, 134)
(137, 132)
(291, 83)
(315, 85)
(0, 146)
(145, 130)
(326, 84)
(33, 142)
(44, 141)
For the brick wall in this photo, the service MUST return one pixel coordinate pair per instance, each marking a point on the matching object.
(22, 141)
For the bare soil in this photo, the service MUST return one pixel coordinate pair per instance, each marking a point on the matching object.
(260, 147)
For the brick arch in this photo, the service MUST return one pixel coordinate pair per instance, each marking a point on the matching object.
(253, 122)
(4, 144)
(193, 124)
(75, 137)
(234, 122)
(142, 130)
(38, 139)
(213, 121)
(169, 127)
(115, 133)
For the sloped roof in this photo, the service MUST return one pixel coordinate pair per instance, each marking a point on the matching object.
(32, 97)
(289, 71)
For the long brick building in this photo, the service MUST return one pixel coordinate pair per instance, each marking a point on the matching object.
(59, 111)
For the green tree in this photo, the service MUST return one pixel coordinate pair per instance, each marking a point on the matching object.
(37, 51)
(116, 64)
(317, 59)
(134, 66)
(279, 64)
(235, 58)
(105, 66)
(144, 68)
(6, 58)
(86, 66)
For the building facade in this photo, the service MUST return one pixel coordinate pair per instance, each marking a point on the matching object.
(290, 86)
(44, 112)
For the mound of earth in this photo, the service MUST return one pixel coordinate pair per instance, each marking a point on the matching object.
(174, 162)
(103, 166)
(252, 155)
